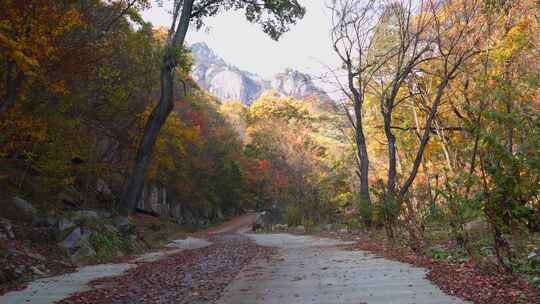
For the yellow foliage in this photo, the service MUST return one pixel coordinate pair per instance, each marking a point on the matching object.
(171, 143)
(29, 33)
(20, 132)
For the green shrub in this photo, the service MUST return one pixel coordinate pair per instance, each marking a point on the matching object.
(438, 253)
(352, 222)
(294, 216)
(308, 224)
(365, 210)
(108, 245)
(530, 265)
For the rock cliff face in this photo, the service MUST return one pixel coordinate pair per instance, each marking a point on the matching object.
(223, 80)
(296, 84)
(157, 199)
(226, 81)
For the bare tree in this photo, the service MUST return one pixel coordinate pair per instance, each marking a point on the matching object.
(353, 31)
(428, 42)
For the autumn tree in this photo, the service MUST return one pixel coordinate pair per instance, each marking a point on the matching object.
(410, 38)
(353, 27)
(29, 36)
(275, 17)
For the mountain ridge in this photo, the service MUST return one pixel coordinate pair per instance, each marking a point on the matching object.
(226, 81)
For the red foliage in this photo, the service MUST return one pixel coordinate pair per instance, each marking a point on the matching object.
(280, 179)
(264, 165)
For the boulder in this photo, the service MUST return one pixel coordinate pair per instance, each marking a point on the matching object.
(219, 214)
(84, 252)
(24, 206)
(78, 245)
(260, 218)
(269, 217)
(64, 224)
(49, 221)
(204, 222)
(476, 227)
(343, 230)
(104, 213)
(121, 223)
(38, 273)
(71, 241)
(534, 258)
(6, 230)
(110, 229)
(280, 227)
(102, 187)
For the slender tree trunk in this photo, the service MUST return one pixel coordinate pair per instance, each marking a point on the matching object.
(133, 190)
(425, 137)
(12, 83)
(361, 146)
(362, 156)
(425, 168)
(156, 120)
(390, 193)
(444, 146)
(392, 160)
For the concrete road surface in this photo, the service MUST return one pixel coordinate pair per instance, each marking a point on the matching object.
(311, 270)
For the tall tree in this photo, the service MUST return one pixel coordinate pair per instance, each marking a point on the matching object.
(353, 31)
(423, 45)
(275, 17)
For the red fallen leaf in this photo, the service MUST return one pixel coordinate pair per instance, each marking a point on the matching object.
(172, 280)
(463, 280)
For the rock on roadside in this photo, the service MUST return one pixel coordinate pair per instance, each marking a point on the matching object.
(24, 206)
(6, 230)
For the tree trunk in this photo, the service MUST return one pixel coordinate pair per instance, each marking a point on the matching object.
(361, 146)
(159, 115)
(12, 83)
(362, 156)
(425, 137)
(391, 183)
(133, 190)
(390, 193)
(432, 203)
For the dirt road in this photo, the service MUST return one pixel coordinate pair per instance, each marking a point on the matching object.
(239, 224)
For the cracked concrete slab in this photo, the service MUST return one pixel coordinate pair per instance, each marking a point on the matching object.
(315, 270)
(53, 289)
(50, 290)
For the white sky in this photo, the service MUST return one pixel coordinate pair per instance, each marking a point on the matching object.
(245, 45)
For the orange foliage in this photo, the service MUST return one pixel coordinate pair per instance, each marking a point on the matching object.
(20, 132)
(29, 33)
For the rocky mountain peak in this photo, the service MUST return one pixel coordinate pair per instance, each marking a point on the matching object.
(296, 84)
(205, 54)
(227, 81)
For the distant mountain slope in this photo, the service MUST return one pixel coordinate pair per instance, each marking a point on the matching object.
(226, 81)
